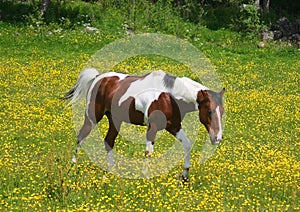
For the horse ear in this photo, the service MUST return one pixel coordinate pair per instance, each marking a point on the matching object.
(201, 96)
(222, 92)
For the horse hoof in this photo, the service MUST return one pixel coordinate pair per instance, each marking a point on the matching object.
(147, 154)
(184, 179)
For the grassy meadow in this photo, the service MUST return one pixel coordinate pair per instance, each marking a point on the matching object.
(256, 168)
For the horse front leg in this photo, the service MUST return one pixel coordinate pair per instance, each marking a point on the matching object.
(180, 135)
(150, 137)
(157, 121)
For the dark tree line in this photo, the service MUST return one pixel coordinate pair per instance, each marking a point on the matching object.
(188, 8)
(292, 6)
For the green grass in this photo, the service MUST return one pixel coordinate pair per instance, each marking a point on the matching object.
(256, 168)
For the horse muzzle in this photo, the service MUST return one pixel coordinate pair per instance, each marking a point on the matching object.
(215, 140)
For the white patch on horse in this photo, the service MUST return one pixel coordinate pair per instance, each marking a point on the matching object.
(188, 89)
(147, 90)
(74, 158)
(219, 135)
(92, 87)
(76, 150)
(180, 135)
(149, 147)
(144, 101)
(110, 158)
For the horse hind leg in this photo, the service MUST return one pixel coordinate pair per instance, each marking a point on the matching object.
(83, 133)
(150, 137)
(85, 130)
(109, 141)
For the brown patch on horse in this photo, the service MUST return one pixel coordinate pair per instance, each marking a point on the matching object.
(160, 111)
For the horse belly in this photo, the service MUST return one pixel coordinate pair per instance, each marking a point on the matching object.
(137, 118)
(127, 112)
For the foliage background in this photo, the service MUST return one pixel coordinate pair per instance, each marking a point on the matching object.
(160, 15)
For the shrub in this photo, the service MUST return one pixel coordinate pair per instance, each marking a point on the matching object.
(248, 21)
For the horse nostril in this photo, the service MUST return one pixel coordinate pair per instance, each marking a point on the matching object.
(218, 140)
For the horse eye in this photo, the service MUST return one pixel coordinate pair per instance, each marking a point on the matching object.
(209, 112)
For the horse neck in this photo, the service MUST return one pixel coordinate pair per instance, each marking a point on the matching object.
(187, 90)
(185, 107)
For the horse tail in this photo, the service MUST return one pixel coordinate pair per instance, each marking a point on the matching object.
(80, 89)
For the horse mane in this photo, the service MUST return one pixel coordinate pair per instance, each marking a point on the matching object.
(169, 81)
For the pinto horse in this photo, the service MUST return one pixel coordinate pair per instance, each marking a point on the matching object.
(156, 100)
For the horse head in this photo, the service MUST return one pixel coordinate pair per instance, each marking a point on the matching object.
(210, 113)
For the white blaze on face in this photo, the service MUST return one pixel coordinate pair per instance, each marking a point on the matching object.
(219, 135)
